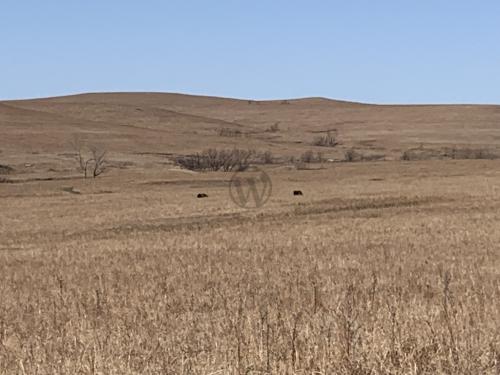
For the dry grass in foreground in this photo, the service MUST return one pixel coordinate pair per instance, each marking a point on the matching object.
(403, 280)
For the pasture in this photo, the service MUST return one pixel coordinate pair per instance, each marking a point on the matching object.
(384, 267)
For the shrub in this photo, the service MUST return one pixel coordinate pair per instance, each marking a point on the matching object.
(406, 155)
(265, 157)
(319, 157)
(192, 162)
(307, 157)
(327, 140)
(217, 160)
(447, 153)
(352, 155)
(228, 132)
(5, 169)
(467, 153)
(299, 165)
(274, 128)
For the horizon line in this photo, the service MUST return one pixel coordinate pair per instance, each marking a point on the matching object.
(347, 101)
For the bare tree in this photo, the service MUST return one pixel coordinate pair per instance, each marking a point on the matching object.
(78, 145)
(98, 161)
(91, 159)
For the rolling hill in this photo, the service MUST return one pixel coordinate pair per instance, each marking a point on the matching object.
(149, 123)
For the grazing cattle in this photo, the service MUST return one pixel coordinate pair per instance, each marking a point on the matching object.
(202, 195)
(297, 192)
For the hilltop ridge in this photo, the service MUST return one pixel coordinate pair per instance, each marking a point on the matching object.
(134, 122)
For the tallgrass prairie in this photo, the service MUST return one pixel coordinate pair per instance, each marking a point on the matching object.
(379, 268)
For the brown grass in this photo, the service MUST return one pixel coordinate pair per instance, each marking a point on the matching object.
(381, 268)
(181, 124)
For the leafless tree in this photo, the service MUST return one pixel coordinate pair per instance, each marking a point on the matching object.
(91, 159)
(78, 145)
(98, 160)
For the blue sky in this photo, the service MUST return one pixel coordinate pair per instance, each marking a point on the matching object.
(380, 51)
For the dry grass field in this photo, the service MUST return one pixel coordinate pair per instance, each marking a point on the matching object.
(381, 267)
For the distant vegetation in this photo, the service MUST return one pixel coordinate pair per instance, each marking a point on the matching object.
(454, 153)
(5, 169)
(274, 128)
(327, 140)
(217, 160)
(306, 158)
(228, 132)
(91, 158)
(265, 157)
(351, 155)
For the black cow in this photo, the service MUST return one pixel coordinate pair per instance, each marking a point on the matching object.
(297, 192)
(202, 195)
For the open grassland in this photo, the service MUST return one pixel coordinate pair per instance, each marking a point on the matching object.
(133, 124)
(380, 268)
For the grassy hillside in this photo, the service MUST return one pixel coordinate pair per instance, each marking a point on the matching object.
(380, 267)
(133, 123)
